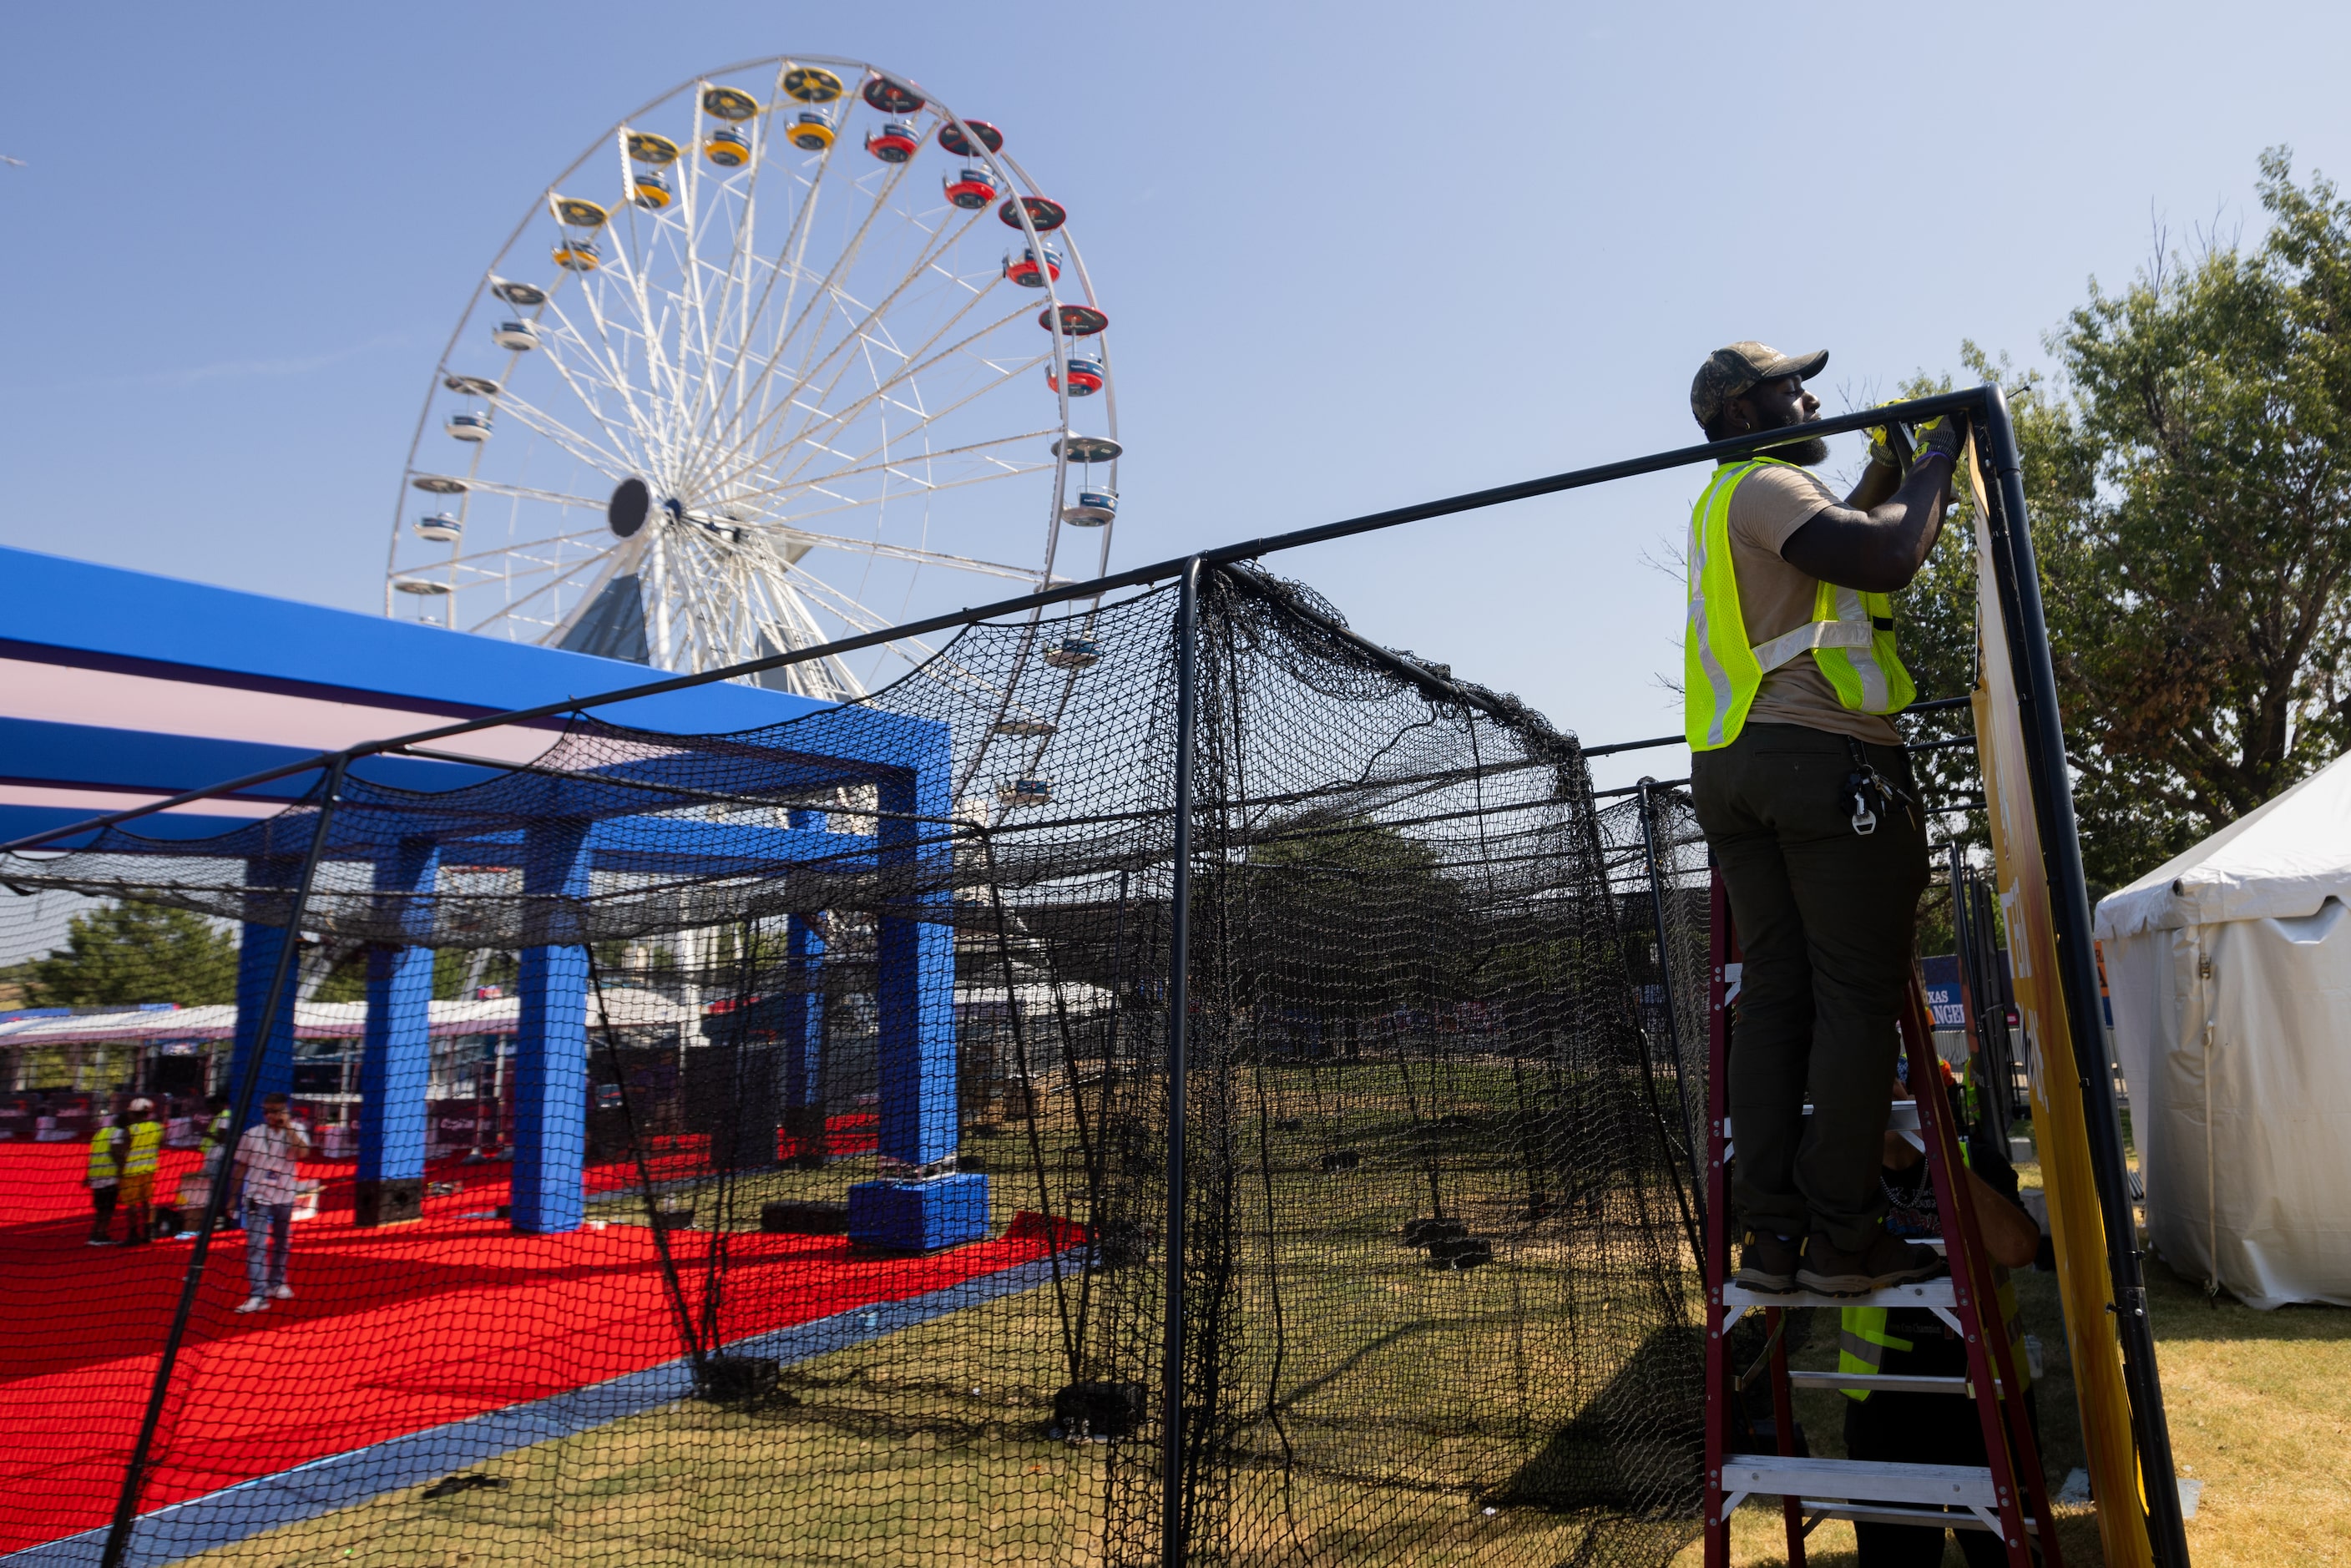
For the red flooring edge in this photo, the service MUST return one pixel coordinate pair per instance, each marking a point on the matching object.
(391, 1331)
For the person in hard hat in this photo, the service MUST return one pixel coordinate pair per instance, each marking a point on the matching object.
(267, 1176)
(1806, 795)
(103, 1176)
(142, 1145)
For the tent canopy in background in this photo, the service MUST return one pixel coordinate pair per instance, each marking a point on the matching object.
(2230, 972)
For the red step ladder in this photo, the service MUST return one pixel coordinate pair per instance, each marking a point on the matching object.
(2008, 1496)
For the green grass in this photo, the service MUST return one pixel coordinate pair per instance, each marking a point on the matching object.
(1395, 1406)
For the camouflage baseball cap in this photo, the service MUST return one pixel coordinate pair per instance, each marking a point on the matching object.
(1732, 371)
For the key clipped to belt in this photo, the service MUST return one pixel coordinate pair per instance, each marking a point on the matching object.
(1866, 789)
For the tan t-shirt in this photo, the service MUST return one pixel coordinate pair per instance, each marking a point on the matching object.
(1774, 597)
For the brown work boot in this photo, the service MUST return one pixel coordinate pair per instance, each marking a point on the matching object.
(1767, 1263)
(1831, 1270)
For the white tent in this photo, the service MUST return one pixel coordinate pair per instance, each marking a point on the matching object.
(2230, 973)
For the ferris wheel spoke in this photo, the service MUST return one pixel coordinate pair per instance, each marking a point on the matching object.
(829, 288)
(527, 545)
(787, 534)
(858, 469)
(626, 434)
(925, 261)
(612, 365)
(526, 493)
(923, 418)
(859, 335)
(855, 504)
(605, 460)
(555, 580)
(910, 370)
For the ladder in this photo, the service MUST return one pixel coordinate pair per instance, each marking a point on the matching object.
(2008, 1496)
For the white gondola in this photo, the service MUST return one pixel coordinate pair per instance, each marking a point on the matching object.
(1074, 653)
(422, 586)
(1093, 509)
(468, 425)
(1025, 790)
(441, 528)
(519, 336)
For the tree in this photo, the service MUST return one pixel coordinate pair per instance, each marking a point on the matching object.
(124, 954)
(2189, 481)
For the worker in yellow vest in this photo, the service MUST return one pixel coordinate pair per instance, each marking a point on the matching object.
(1805, 793)
(103, 1175)
(1898, 1427)
(143, 1144)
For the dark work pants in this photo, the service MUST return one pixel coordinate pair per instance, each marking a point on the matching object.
(1920, 1429)
(1826, 919)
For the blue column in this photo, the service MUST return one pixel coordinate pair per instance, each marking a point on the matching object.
(257, 961)
(396, 1054)
(550, 1064)
(914, 990)
(802, 1031)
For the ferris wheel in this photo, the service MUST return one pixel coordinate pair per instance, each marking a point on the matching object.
(792, 353)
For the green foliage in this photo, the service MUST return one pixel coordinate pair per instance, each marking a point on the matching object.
(2189, 484)
(130, 953)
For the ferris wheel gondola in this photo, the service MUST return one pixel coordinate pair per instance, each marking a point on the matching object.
(754, 390)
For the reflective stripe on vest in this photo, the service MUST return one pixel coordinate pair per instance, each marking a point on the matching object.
(1850, 636)
(101, 1156)
(1861, 1344)
(146, 1137)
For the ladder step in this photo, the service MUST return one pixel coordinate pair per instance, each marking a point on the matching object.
(1880, 1382)
(1816, 1509)
(1902, 1118)
(1860, 1480)
(1925, 1293)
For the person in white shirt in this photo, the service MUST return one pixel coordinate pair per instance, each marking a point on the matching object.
(267, 1175)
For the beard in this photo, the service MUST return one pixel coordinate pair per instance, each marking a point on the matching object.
(1810, 453)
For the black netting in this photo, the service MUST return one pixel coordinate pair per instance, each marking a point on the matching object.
(755, 1146)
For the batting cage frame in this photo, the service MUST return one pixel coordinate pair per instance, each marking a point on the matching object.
(1199, 839)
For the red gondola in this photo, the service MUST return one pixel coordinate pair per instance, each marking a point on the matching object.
(1085, 376)
(894, 143)
(1024, 270)
(971, 190)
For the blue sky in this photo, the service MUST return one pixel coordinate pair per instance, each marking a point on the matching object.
(1356, 255)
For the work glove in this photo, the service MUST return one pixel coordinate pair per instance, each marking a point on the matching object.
(1881, 447)
(1940, 434)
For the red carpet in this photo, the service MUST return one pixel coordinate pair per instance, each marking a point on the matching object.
(391, 1331)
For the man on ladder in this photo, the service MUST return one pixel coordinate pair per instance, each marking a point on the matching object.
(1805, 792)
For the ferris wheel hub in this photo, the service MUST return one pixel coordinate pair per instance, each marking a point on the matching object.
(632, 502)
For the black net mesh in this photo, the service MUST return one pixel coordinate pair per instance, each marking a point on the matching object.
(755, 1146)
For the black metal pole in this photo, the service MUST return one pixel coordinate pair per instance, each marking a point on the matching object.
(1673, 1031)
(2077, 968)
(1159, 571)
(134, 1474)
(1174, 1524)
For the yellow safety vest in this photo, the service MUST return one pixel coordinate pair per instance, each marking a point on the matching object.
(1850, 635)
(146, 1137)
(1863, 1342)
(101, 1156)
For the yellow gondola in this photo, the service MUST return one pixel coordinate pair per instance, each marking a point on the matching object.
(731, 103)
(577, 255)
(812, 133)
(812, 84)
(648, 189)
(579, 213)
(727, 149)
(648, 147)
